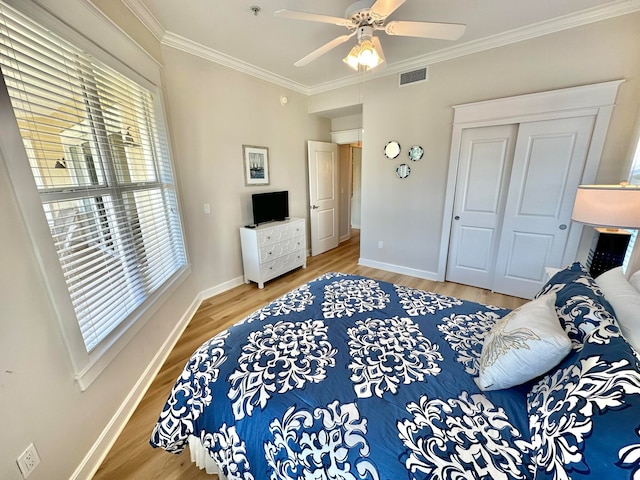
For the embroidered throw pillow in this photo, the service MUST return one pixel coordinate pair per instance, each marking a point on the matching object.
(523, 345)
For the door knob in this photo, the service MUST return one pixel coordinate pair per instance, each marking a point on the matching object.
(562, 227)
(313, 207)
(457, 217)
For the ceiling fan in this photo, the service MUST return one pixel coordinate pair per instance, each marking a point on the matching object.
(363, 19)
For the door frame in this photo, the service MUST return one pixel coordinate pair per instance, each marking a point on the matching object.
(588, 100)
(347, 139)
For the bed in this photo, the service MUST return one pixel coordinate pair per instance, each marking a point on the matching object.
(351, 378)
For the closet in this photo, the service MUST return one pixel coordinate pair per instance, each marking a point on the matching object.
(515, 167)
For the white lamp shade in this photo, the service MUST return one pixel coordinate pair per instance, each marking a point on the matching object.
(608, 205)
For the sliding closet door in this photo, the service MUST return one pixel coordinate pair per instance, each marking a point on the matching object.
(481, 190)
(549, 160)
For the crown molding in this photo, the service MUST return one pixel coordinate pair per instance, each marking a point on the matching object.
(612, 9)
(184, 44)
(584, 17)
(143, 14)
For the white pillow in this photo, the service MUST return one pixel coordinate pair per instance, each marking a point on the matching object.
(635, 280)
(625, 300)
(526, 343)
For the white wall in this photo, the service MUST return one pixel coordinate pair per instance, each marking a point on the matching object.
(346, 122)
(408, 216)
(214, 110)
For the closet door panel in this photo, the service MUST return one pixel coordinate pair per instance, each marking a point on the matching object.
(548, 163)
(483, 177)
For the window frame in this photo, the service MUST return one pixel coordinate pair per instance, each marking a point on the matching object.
(629, 260)
(86, 366)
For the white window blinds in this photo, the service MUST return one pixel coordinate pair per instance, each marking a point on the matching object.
(98, 153)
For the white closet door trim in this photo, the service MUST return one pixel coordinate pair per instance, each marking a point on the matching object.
(596, 99)
(552, 102)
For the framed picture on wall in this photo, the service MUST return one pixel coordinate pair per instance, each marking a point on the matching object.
(256, 165)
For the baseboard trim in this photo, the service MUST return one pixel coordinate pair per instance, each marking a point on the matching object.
(98, 452)
(389, 267)
(223, 287)
(110, 434)
(344, 238)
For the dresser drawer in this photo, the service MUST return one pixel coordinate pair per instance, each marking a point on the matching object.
(278, 266)
(272, 251)
(280, 232)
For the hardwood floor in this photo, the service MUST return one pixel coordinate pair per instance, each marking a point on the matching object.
(131, 456)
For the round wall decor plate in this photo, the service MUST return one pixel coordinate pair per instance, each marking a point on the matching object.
(403, 170)
(415, 153)
(392, 149)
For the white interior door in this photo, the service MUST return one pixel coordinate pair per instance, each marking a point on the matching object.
(483, 181)
(549, 161)
(323, 196)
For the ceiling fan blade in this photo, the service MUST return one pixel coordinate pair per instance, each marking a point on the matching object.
(383, 8)
(443, 31)
(313, 17)
(323, 49)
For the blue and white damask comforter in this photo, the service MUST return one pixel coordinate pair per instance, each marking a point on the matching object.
(352, 378)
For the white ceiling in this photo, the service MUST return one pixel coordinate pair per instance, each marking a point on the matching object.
(267, 46)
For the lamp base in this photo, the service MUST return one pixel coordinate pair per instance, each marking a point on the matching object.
(608, 250)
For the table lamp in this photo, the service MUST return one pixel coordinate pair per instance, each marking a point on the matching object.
(609, 206)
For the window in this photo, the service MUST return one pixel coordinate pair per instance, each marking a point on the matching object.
(634, 179)
(97, 149)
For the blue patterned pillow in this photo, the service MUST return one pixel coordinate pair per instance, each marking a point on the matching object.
(580, 304)
(584, 416)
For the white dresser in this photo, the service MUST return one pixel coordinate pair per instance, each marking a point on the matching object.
(274, 248)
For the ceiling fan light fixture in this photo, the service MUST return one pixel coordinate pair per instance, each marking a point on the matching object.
(352, 58)
(368, 56)
(362, 19)
(364, 55)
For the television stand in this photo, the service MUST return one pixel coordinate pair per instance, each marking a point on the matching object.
(273, 249)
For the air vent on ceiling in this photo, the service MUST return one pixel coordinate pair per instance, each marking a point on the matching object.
(415, 76)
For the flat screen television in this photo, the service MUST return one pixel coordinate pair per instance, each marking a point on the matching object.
(270, 206)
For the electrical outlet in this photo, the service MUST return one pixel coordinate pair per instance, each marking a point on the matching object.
(380, 244)
(206, 208)
(28, 461)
